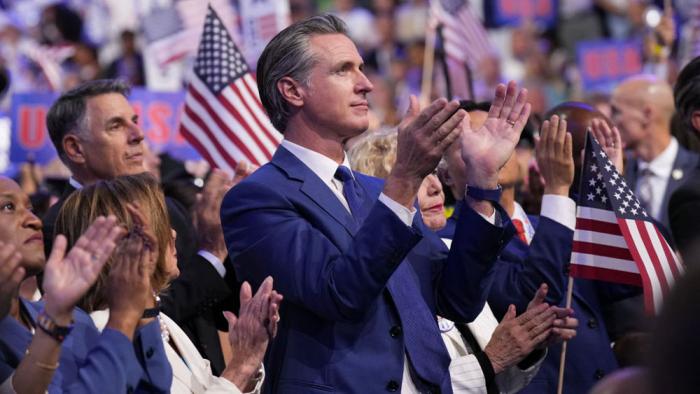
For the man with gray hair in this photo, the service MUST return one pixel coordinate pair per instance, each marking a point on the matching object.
(362, 277)
(97, 135)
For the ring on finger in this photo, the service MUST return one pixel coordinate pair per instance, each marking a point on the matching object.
(510, 122)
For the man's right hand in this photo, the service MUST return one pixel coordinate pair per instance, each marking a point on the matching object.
(423, 137)
(554, 156)
(207, 222)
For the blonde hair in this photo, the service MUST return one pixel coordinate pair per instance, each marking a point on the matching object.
(111, 197)
(374, 154)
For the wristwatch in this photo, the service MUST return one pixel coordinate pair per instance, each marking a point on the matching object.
(493, 195)
(47, 324)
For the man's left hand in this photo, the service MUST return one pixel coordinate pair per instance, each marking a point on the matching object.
(488, 148)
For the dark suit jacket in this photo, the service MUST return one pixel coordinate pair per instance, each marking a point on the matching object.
(339, 328)
(686, 161)
(518, 274)
(90, 361)
(197, 297)
(684, 217)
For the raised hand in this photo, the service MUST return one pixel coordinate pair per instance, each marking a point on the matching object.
(11, 275)
(243, 169)
(129, 288)
(423, 137)
(207, 221)
(68, 277)
(251, 331)
(564, 325)
(488, 148)
(554, 156)
(610, 140)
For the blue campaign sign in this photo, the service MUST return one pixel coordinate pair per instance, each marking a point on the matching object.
(160, 119)
(159, 114)
(604, 63)
(515, 12)
(30, 140)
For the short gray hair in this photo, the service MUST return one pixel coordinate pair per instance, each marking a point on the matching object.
(288, 55)
(68, 111)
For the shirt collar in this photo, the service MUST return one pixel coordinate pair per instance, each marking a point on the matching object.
(73, 182)
(662, 165)
(324, 167)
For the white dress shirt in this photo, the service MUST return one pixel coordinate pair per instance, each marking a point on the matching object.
(661, 167)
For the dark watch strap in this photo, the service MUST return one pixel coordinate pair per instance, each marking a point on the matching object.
(48, 325)
(493, 195)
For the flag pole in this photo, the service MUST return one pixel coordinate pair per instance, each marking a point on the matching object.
(562, 359)
(428, 64)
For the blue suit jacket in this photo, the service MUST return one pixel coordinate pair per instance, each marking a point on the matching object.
(518, 274)
(340, 331)
(93, 362)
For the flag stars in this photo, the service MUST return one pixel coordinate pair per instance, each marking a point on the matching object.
(598, 190)
(599, 176)
(590, 196)
(617, 196)
(612, 181)
(626, 204)
(607, 167)
(634, 211)
(622, 210)
(591, 182)
(594, 168)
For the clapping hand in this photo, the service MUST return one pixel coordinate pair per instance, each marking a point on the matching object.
(68, 277)
(423, 137)
(564, 325)
(251, 331)
(487, 149)
(207, 221)
(129, 289)
(11, 275)
(610, 141)
(554, 156)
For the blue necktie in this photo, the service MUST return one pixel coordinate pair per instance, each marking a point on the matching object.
(425, 349)
(353, 192)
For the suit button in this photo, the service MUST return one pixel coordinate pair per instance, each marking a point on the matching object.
(149, 352)
(395, 331)
(592, 323)
(392, 386)
(599, 374)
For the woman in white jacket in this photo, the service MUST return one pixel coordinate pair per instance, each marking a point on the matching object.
(151, 238)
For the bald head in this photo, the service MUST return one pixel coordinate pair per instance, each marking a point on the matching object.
(648, 90)
(642, 108)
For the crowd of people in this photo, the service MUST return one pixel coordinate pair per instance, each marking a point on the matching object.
(423, 252)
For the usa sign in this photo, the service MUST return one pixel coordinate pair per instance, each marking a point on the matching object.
(159, 116)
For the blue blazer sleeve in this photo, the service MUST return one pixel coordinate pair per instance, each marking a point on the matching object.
(266, 234)
(110, 367)
(520, 271)
(148, 345)
(467, 273)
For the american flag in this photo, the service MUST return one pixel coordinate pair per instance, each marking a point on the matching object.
(223, 117)
(464, 38)
(173, 32)
(615, 239)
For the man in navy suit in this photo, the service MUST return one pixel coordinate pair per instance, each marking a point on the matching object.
(362, 277)
(642, 109)
(541, 253)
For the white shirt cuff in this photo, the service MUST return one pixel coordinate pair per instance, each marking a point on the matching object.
(491, 218)
(215, 262)
(561, 209)
(406, 215)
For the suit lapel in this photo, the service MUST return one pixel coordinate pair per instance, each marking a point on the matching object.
(683, 165)
(314, 188)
